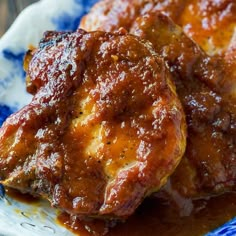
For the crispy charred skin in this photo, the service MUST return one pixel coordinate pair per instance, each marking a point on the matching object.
(206, 85)
(104, 129)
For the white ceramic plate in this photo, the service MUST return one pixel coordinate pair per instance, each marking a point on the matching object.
(16, 218)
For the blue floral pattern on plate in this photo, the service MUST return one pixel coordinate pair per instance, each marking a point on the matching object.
(17, 218)
(228, 229)
(27, 30)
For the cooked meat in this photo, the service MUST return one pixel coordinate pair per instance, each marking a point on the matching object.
(104, 129)
(110, 15)
(205, 84)
(210, 23)
(210, 158)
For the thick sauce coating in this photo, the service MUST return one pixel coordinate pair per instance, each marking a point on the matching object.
(211, 23)
(202, 86)
(104, 129)
(206, 85)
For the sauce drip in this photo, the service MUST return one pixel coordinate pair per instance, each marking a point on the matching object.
(160, 217)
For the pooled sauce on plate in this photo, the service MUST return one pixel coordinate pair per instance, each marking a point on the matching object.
(154, 217)
(158, 217)
(25, 198)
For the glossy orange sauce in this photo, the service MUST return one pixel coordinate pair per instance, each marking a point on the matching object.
(25, 198)
(154, 217)
(203, 21)
(159, 217)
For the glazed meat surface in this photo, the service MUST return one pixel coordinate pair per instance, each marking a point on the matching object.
(209, 164)
(210, 23)
(104, 128)
(205, 84)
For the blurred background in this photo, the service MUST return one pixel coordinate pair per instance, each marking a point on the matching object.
(9, 9)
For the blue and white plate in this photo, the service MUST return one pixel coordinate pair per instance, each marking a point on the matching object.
(17, 218)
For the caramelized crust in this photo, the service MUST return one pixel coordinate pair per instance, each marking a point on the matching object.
(206, 85)
(104, 129)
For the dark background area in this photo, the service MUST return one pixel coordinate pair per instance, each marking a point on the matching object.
(9, 9)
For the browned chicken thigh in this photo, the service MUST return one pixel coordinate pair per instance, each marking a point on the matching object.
(104, 129)
(206, 85)
(209, 164)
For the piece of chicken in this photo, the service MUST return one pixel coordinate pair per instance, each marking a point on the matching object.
(210, 23)
(205, 84)
(209, 164)
(104, 129)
